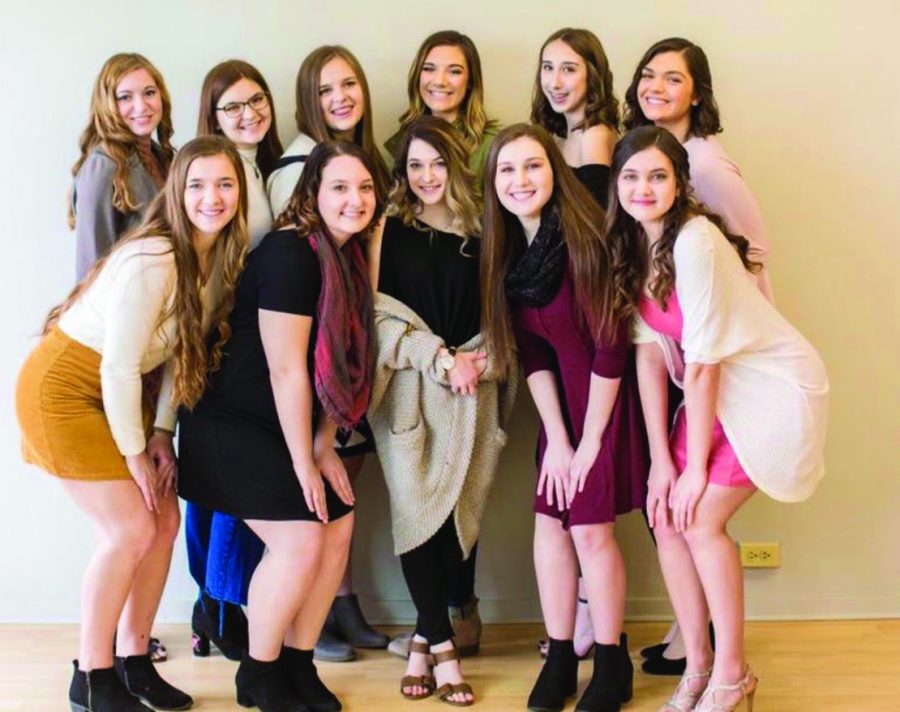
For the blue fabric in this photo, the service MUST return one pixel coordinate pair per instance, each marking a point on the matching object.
(222, 553)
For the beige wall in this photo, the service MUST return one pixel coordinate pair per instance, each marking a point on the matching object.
(810, 101)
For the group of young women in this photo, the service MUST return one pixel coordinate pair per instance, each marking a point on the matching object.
(293, 310)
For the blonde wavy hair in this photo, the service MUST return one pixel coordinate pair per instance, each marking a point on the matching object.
(459, 195)
(107, 129)
(166, 217)
(473, 121)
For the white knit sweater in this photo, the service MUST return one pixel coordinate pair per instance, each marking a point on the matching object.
(438, 450)
(773, 390)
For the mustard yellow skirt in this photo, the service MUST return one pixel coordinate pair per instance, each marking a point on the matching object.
(59, 404)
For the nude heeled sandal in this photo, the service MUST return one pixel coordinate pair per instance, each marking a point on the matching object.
(684, 699)
(746, 686)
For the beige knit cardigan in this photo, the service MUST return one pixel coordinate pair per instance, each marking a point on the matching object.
(438, 450)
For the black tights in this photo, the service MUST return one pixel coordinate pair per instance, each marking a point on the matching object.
(430, 570)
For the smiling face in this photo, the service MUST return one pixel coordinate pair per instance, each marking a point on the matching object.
(647, 188)
(211, 194)
(341, 97)
(139, 102)
(564, 78)
(346, 198)
(443, 81)
(524, 178)
(426, 172)
(249, 127)
(666, 92)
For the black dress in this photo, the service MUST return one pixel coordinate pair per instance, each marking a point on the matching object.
(434, 275)
(595, 177)
(233, 456)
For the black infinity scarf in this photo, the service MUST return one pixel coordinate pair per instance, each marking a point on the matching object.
(536, 276)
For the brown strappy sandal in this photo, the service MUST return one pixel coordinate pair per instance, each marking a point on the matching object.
(426, 682)
(447, 690)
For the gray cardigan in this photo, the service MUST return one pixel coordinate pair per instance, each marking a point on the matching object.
(97, 223)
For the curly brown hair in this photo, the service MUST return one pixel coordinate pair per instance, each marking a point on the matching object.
(107, 130)
(634, 259)
(166, 217)
(460, 194)
(602, 105)
(705, 114)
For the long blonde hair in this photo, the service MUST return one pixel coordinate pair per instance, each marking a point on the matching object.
(108, 130)
(166, 217)
(473, 121)
(461, 192)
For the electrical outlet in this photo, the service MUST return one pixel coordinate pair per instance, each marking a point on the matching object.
(760, 554)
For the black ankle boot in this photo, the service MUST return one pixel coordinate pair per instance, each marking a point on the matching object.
(222, 623)
(305, 682)
(558, 679)
(139, 675)
(612, 683)
(347, 619)
(265, 685)
(101, 690)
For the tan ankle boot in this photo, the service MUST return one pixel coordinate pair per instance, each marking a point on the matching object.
(466, 627)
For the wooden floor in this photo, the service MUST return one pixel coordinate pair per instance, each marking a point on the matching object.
(810, 667)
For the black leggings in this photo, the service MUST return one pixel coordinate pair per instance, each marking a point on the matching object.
(430, 570)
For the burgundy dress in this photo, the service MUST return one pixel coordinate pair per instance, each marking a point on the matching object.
(552, 338)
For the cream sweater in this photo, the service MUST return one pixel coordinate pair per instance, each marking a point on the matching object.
(120, 316)
(438, 450)
(773, 390)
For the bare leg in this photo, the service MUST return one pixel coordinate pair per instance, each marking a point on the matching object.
(146, 590)
(307, 623)
(282, 581)
(126, 530)
(719, 567)
(556, 568)
(686, 595)
(603, 573)
(353, 465)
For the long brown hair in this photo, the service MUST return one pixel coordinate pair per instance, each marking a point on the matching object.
(581, 223)
(460, 193)
(166, 217)
(705, 114)
(106, 128)
(473, 121)
(635, 260)
(216, 83)
(302, 209)
(309, 109)
(602, 106)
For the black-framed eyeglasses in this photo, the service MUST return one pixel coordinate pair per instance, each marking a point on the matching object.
(234, 109)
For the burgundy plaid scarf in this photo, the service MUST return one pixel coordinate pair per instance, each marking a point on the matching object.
(344, 353)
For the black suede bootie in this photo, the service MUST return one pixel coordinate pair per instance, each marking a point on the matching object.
(139, 675)
(264, 685)
(101, 690)
(222, 623)
(558, 679)
(305, 682)
(612, 683)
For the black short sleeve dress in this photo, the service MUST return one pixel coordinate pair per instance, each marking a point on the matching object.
(233, 457)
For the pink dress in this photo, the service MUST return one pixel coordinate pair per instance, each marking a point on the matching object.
(723, 467)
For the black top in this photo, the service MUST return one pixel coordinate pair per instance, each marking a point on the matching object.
(434, 275)
(282, 274)
(595, 177)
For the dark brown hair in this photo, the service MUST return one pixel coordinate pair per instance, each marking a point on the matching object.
(705, 115)
(309, 109)
(602, 106)
(302, 209)
(460, 193)
(216, 83)
(473, 121)
(108, 130)
(166, 217)
(635, 260)
(503, 241)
